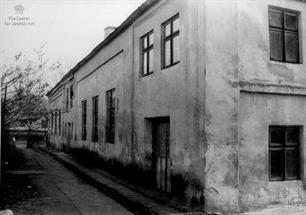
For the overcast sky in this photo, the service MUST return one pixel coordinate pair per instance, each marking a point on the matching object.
(69, 29)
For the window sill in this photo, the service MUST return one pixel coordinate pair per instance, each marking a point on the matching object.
(284, 181)
(284, 62)
(166, 67)
(146, 75)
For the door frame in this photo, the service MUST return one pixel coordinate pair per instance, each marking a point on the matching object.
(154, 122)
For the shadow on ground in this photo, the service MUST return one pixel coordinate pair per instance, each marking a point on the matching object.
(17, 188)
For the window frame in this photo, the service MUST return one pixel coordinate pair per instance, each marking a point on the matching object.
(84, 120)
(170, 37)
(147, 50)
(95, 112)
(67, 99)
(55, 122)
(283, 148)
(71, 95)
(59, 122)
(283, 31)
(52, 122)
(110, 108)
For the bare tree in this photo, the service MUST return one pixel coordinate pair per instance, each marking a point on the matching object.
(22, 103)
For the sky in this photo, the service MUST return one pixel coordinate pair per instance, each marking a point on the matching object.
(68, 29)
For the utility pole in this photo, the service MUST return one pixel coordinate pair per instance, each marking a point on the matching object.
(0, 137)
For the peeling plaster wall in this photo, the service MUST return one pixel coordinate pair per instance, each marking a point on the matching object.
(221, 112)
(272, 93)
(253, 26)
(257, 113)
(177, 92)
(220, 99)
(114, 71)
(237, 60)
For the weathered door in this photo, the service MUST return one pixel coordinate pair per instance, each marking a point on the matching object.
(161, 134)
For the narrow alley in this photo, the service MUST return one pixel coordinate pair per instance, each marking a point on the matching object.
(59, 190)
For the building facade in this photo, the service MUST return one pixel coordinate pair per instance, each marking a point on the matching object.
(209, 96)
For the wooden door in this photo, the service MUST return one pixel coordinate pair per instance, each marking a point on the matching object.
(161, 134)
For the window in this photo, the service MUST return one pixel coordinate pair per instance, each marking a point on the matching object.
(94, 131)
(52, 123)
(284, 155)
(84, 121)
(147, 55)
(110, 124)
(284, 35)
(171, 42)
(67, 99)
(71, 96)
(59, 123)
(55, 122)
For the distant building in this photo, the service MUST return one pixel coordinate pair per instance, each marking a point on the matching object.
(208, 96)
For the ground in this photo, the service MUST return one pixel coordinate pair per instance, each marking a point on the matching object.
(35, 183)
(40, 185)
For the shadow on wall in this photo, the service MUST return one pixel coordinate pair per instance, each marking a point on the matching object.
(142, 176)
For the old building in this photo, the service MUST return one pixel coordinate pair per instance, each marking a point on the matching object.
(208, 96)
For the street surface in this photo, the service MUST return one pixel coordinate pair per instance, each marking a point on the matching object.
(59, 190)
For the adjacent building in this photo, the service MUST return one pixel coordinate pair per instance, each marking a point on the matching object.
(209, 96)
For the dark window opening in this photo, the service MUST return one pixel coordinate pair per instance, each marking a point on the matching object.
(147, 55)
(171, 42)
(284, 153)
(67, 99)
(110, 124)
(59, 123)
(52, 123)
(84, 119)
(94, 135)
(71, 96)
(284, 35)
(55, 122)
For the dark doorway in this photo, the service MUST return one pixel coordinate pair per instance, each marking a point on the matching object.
(161, 160)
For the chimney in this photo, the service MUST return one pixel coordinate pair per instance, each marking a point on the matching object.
(108, 30)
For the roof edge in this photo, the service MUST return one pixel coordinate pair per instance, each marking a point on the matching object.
(124, 25)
